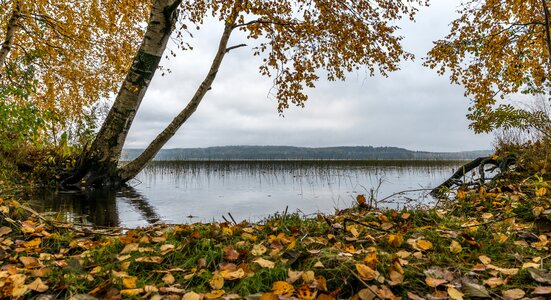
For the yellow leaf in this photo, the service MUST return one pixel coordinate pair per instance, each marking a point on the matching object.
(217, 281)
(371, 259)
(424, 245)
(215, 294)
(485, 259)
(454, 294)
(168, 279)
(131, 292)
(455, 247)
(269, 296)
(395, 240)
(191, 296)
(541, 192)
(282, 288)
(366, 273)
(130, 248)
(129, 282)
(33, 243)
(233, 275)
(258, 250)
(395, 277)
(308, 276)
(264, 263)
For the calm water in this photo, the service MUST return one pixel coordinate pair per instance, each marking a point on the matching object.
(181, 192)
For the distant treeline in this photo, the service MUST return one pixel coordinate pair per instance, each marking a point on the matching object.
(303, 153)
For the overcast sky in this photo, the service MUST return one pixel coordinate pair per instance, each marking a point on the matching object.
(414, 108)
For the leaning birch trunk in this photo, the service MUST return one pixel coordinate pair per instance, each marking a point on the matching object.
(104, 154)
(10, 34)
(130, 170)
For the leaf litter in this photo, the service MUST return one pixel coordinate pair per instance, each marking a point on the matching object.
(483, 245)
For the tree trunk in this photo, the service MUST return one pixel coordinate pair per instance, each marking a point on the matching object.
(10, 34)
(130, 170)
(104, 154)
(547, 29)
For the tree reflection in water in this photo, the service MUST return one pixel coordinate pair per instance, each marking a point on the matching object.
(96, 207)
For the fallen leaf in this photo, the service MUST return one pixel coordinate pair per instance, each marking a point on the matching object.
(268, 296)
(542, 290)
(34, 243)
(366, 273)
(485, 259)
(304, 293)
(131, 292)
(395, 240)
(455, 247)
(424, 245)
(130, 248)
(215, 294)
(513, 294)
(168, 279)
(293, 276)
(395, 278)
(282, 288)
(494, 282)
(319, 265)
(413, 296)
(371, 259)
(230, 253)
(4, 230)
(368, 294)
(264, 263)
(129, 282)
(216, 281)
(191, 296)
(543, 276)
(308, 277)
(475, 290)
(38, 285)
(233, 275)
(454, 293)
(149, 259)
(530, 265)
(258, 250)
(29, 262)
(433, 282)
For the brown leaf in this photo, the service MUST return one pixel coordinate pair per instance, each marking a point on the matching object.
(4, 230)
(395, 277)
(543, 276)
(230, 253)
(542, 290)
(494, 282)
(513, 294)
(475, 290)
(268, 296)
(29, 262)
(191, 296)
(38, 285)
(130, 248)
(366, 273)
(149, 259)
(413, 296)
(433, 282)
(233, 275)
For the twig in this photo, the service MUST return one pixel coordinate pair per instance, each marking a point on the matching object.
(232, 218)
(235, 47)
(361, 280)
(403, 192)
(363, 224)
(226, 220)
(485, 223)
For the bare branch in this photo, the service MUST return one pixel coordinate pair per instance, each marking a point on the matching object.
(235, 47)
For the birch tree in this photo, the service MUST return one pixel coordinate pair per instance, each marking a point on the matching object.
(295, 38)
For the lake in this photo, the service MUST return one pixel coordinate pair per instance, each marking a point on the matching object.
(199, 191)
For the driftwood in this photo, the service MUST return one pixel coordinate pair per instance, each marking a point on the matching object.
(456, 179)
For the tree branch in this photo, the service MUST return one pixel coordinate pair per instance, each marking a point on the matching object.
(235, 47)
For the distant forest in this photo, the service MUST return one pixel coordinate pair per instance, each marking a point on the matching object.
(303, 153)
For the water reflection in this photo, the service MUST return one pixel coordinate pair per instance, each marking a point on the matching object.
(97, 207)
(172, 192)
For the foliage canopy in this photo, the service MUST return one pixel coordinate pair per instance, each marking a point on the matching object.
(494, 49)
